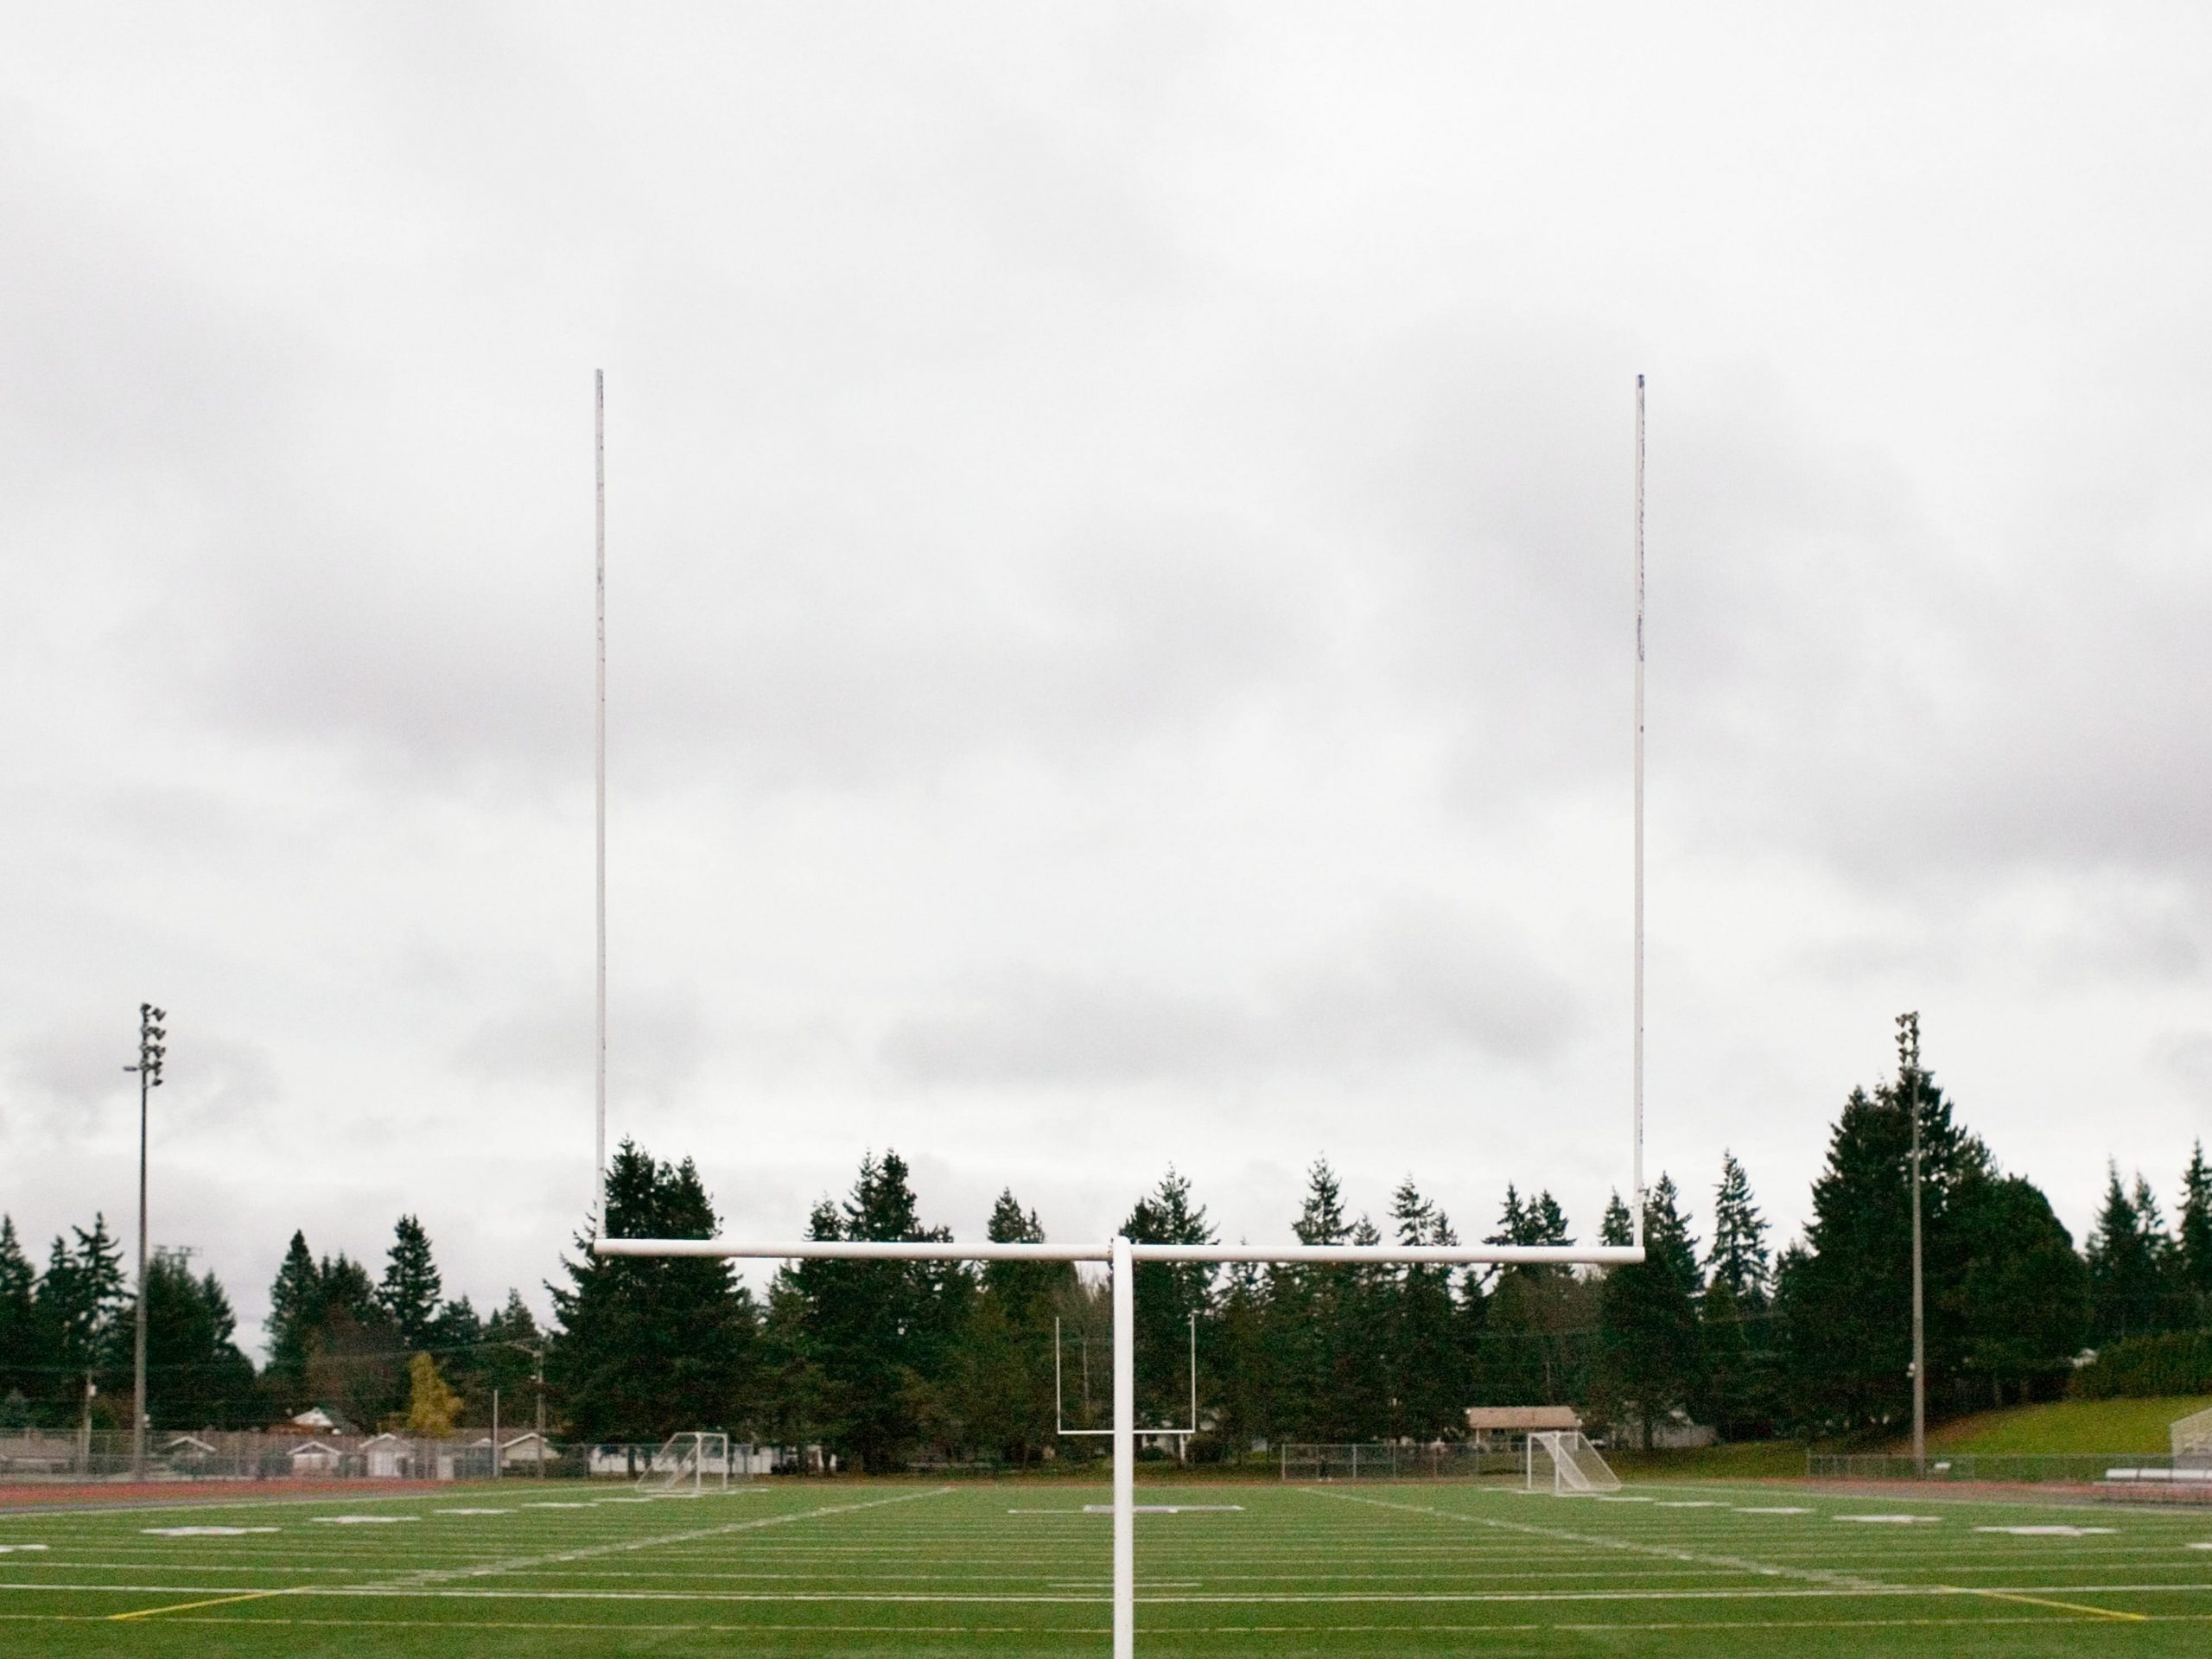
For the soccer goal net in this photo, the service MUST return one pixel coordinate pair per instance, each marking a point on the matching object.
(1564, 1461)
(688, 1464)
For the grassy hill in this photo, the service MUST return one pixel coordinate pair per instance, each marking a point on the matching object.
(2084, 1426)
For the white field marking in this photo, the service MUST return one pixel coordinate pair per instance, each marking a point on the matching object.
(202, 1532)
(7, 1549)
(418, 1583)
(906, 1628)
(2184, 1546)
(554, 1503)
(1773, 1509)
(1167, 1509)
(362, 1520)
(471, 1511)
(2053, 1532)
(1902, 1592)
(1892, 1520)
(1727, 1563)
(1618, 1497)
(1689, 1503)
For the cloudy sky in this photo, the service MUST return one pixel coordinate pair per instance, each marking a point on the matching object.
(1120, 608)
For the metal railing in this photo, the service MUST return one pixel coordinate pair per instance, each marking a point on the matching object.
(2116, 1468)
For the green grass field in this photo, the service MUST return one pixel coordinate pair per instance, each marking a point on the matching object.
(2069, 1425)
(854, 1568)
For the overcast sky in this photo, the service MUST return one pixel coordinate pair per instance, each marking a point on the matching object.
(1119, 621)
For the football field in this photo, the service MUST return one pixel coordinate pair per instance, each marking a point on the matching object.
(852, 1568)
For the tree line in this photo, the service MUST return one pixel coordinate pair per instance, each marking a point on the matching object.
(891, 1363)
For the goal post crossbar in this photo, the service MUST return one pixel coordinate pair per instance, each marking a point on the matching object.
(1510, 1255)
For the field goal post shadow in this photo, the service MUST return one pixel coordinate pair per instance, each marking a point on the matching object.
(1119, 1254)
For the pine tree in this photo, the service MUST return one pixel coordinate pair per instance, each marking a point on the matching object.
(1653, 1354)
(2024, 1302)
(878, 1334)
(1847, 1314)
(1738, 1253)
(1168, 1297)
(195, 1376)
(83, 1309)
(295, 1302)
(410, 1290)
(25, 1362)
(1616, 1227)
(1006, 1356)
(2194, 1242)
(1428, 1386)
(648, 1347)
(2125, 1255)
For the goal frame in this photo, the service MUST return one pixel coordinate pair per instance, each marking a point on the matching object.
(1119, 1254)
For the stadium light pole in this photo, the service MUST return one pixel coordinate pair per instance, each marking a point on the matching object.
(1909, 1087)
(150, 1051)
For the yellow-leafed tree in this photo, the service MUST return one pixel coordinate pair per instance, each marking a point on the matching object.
(431, 1405)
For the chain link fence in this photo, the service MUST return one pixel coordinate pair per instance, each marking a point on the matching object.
(259, 1455)
(1397, 1460)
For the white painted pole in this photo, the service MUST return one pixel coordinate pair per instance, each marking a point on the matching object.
(1636, 1208)
(1125, 1462)
(599, 756)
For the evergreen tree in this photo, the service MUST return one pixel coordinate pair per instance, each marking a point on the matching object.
(1003, 1376)
(1616, 1227)
(1168, 1296)
(195, 1376)
(1738, 1253)
(295, 1311)
(505, 1357)
(2126, 1288)
(648, 1347)
(410, 1290)
(1428, 1386)
(2024, 1302)
(1653, 1354)
(355, 1365)
(26, 1367)
(1241, 1385)
(879, 1333)
(1848, 1311)
(1307, 1324)
(83, 1312)
(2194, 1242)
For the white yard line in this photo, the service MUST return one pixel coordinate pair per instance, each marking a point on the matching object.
(1629, 1546)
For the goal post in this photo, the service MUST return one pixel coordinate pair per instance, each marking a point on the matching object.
(1564, 1463)
(1571, 1466)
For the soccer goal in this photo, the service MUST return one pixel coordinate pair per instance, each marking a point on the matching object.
(1563, 1461)
(688, 1466)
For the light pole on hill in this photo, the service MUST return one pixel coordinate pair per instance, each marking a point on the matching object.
(1909, 1088)
(149, 1069)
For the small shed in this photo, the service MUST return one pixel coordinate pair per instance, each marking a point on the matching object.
(386, 1457)
(1508, 1426)
(315, 1458)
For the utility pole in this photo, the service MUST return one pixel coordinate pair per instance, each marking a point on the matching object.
(1909, 1089)
(149, 1079)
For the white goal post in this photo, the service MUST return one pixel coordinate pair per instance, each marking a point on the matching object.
(1119, 1254)
(688, 1465)
(1563, 1462)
